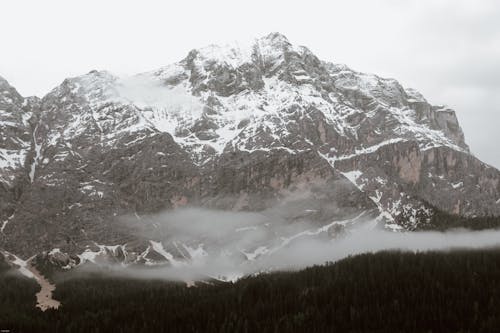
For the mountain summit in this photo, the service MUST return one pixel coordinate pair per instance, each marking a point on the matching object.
(266, 128)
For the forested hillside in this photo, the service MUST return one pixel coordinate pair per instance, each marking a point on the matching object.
(457, 291)
(442, 221)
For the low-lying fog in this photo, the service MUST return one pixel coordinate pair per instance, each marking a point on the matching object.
(229, 245)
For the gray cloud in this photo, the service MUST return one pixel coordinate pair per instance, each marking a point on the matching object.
(224, 236)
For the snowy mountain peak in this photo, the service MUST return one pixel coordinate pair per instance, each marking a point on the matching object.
(250, 98)
(231, 55)
(273, 45)
(92, 80)
(235, 54)
(274, 38)
(233, 127)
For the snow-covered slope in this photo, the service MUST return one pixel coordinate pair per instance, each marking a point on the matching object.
(232, 128)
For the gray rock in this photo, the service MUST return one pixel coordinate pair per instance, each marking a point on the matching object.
(228, 129)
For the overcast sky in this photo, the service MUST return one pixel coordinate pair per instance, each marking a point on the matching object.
(447, 49)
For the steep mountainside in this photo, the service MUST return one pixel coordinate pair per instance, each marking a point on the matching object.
(230, 128)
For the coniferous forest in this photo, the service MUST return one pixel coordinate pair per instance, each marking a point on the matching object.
(442, 221)
(455, 291)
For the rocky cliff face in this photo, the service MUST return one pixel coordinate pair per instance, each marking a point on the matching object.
(16, 148)
(232, 129)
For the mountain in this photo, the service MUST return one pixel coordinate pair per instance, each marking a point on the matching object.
(267, 129)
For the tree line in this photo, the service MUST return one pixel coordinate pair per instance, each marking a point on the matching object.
(392, 291)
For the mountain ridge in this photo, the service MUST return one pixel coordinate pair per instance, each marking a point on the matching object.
(229, 129)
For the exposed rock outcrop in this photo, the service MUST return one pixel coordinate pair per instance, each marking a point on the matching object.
(234, 129)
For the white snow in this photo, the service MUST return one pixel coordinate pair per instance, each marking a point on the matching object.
(22, 265)
(4, 223)
(287, 240)
(156, 102)
(358, 152)
(252, 120)
(11, 158)
(76, 204)
(376, 198)
(38, 148)
(54, 251)
(195, 253)
(353, 177)
(158, 247)
(144, 92)
(91, 188)
(381, 180)
(234, 54)
(393, 227)
(88, 255)
(428, 138)
(370, 149)
(261, 250)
